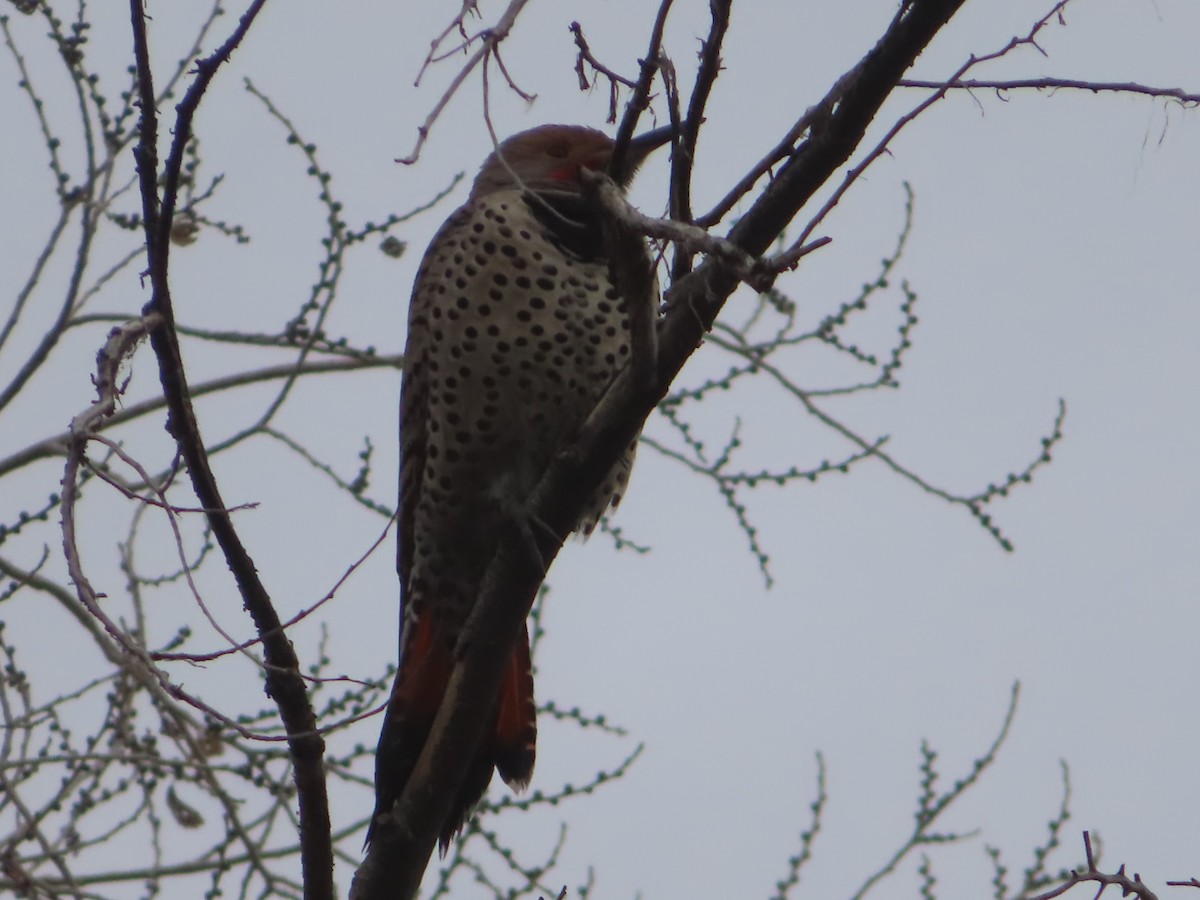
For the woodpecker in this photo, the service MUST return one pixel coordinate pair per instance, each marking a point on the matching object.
(515, 330)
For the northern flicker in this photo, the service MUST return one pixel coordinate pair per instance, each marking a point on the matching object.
(515, 330)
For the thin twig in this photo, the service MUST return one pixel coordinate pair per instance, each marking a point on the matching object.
(639, 100)
(1130, 887)
(1053, 84)
(490, 39)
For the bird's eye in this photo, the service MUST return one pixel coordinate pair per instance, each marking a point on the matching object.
(557, 151)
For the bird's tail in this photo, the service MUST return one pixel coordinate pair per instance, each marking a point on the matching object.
(509, 746)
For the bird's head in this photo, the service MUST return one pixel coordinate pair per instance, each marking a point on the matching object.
(552, 157)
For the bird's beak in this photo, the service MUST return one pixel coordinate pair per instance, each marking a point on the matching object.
(636, 152)
(641, 146)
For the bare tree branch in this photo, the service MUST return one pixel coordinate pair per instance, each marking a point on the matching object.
(57, 444)
(614, 80)
(639, 99)
(1054, 84)
(688, 131)
(1130, 887)
(490, 39)
(283, 680)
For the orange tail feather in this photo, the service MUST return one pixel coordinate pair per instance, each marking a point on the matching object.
(416, 696)
(515, 740)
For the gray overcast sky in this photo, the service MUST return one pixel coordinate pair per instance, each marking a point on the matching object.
(1053, 252)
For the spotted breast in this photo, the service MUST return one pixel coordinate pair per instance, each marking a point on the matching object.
(515, 331)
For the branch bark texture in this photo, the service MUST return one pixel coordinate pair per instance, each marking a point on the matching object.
(284, 683)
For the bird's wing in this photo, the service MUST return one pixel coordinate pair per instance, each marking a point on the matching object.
(414, 408)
